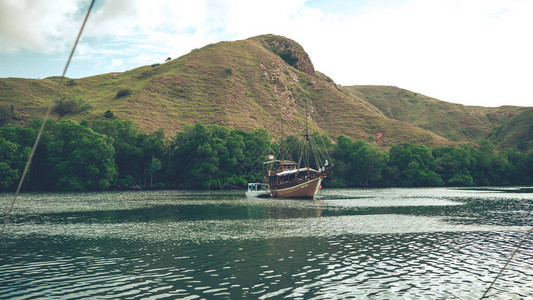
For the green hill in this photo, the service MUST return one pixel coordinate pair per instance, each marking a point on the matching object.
(455, 122)
(517, 133)
(249, 84)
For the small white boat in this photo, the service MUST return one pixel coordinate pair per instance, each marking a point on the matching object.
(258, 190)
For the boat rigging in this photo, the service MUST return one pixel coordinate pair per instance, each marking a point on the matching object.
(288, 179)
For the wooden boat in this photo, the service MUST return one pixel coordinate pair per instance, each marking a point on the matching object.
(288, 179)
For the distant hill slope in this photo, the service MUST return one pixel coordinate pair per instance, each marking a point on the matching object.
(455, 122)
(517, 133)
(249, 84)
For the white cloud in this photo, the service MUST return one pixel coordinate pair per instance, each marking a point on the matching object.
(124, 18)
(116, 63)
(37, 25)
(473, 51)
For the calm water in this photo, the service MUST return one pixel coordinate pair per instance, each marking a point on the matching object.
(351, 243)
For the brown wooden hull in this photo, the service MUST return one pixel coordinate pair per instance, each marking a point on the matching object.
(305, 190)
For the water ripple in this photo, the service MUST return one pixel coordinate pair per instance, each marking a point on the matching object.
(436, 244)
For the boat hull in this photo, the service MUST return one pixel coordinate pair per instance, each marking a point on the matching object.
(258, 190)
(259, 194)
(305, 190)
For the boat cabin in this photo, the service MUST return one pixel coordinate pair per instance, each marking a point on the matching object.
(257, 187)
(260, 190)
(286, 165)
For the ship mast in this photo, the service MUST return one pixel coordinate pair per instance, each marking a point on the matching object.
(307, 134)
(282, 143)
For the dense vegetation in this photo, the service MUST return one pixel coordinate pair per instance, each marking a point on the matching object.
(361, 164)
(245, 84)
(108, 154)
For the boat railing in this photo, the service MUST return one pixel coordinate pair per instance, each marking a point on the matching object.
(296, 181)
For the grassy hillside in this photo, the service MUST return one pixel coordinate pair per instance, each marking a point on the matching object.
(517, 133)
(455, 122)
(250, 84)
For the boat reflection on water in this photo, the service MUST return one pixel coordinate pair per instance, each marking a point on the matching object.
(275, 211)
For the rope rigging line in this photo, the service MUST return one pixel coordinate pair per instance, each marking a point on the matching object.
(39, 134)
(508, 261)
(325, 148)
(315, 155)
(318, 151)
(288, 150)
(300, 157)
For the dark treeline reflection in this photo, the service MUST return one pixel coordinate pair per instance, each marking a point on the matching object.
(113, 154)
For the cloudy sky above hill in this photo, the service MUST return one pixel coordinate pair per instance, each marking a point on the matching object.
(474, 52)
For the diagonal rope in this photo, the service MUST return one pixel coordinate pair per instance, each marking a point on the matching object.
(318, 152)
(50, 105)
(509, 260)
(326, 149)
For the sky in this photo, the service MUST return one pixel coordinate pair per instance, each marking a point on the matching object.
(473, 52)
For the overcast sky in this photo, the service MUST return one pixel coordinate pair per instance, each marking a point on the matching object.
(474, 52)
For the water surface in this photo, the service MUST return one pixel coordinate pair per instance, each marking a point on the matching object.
(350, 243)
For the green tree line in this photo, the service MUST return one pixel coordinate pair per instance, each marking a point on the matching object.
(113, 154)
(360, 164)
